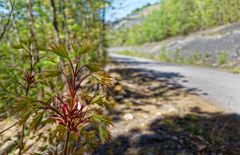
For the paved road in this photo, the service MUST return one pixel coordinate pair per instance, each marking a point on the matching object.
(219, 87)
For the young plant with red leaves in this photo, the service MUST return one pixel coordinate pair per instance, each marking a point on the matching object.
(77, 109)
(73, 107)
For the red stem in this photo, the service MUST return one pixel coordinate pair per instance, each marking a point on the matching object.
(67, 81)
(79, 84)
(80, 69)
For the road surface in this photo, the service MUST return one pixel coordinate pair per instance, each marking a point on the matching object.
(222, 88)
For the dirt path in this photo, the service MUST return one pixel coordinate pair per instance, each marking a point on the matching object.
(154, 116)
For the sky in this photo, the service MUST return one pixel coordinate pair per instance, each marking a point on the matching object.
(121, 8)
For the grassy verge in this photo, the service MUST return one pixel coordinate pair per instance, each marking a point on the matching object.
(195, 60)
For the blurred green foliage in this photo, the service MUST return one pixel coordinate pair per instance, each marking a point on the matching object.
(222, 58)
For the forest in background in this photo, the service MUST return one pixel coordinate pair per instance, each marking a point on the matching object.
(176, 17)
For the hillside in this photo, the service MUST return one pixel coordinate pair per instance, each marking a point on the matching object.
(135, 17)
(173, 18)
(216, 46)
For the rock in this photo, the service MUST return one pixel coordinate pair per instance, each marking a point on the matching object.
(128, 116)
(118, 88)
(115, 75)
(136, 102)
(201, 147)
(174, 137)
(168, 108)
(119, 98)
(158, 114)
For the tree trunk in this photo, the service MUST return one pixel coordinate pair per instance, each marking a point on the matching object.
(103, 52)
(65, 25)
(33, 32)
(55, 22)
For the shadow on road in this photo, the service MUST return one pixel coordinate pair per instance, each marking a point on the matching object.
(173, 78)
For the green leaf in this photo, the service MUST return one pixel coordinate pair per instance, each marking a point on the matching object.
(26, 41)
(60, 86)
(25, 117)
(85, 96)
(36, 121)
(50, 74)
(24, 105)
(17, 46)
(101, 101)
(24, 99)
(103, 78)
(41, 48)
(101, 119)
(83, 48)
(93, 67)
(18, 106)
(60, 50)
(104, 134)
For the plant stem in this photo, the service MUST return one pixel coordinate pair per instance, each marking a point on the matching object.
(66, 143)
(8, 128)
(21, 140)
(23, 127)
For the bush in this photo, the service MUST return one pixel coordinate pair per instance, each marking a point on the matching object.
(222, 58)
(163, 56)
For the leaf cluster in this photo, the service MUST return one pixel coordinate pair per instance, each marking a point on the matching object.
(70, 107)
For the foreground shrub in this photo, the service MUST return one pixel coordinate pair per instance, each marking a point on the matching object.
(70, 114)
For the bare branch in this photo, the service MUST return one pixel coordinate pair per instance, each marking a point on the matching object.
(8, 128)
(6, 27)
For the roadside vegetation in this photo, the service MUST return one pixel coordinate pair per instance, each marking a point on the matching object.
(176, 17)
(221, 61)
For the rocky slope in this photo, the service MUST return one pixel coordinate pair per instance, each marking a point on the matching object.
(208, 45)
